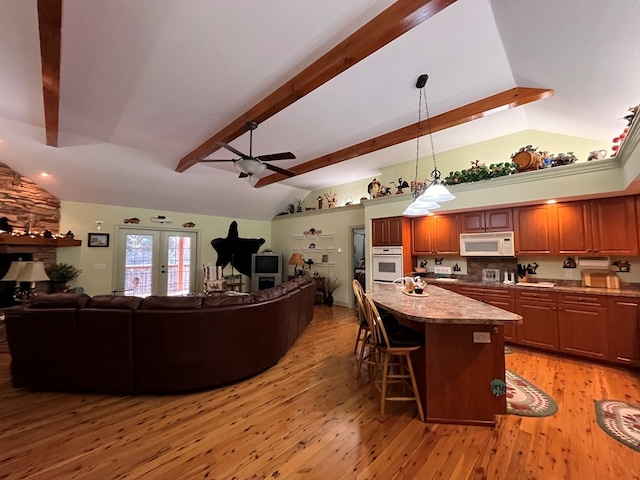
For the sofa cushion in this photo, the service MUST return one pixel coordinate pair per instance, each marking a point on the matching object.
(115, 302)
(170, 303)
(270, 293)
(220, 300)
(59, 300)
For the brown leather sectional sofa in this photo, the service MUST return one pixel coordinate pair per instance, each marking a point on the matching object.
(72, 342)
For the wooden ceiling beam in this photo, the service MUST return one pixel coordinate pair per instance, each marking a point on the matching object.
(396, 20)
(505, 100)
(50, 25)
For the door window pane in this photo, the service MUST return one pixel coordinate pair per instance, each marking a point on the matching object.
(178, 265)
(138, 265)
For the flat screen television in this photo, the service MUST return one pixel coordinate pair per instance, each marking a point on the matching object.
(266, 270)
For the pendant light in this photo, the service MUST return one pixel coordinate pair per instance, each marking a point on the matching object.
(426, 198)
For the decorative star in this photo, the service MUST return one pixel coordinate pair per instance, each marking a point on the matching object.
(236, 250)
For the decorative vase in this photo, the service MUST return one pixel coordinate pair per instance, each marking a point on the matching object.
(329, 300)
(528, 160)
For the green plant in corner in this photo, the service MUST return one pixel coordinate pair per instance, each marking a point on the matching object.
(62, 273)
(331, 283)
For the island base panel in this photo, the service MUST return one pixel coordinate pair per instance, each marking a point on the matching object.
(454, 374)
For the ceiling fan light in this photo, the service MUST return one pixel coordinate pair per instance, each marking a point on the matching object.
(250, 166)
(436, 193)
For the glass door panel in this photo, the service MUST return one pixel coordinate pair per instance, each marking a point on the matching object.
(155, 262)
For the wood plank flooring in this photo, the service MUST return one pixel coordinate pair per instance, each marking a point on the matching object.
(309, 418)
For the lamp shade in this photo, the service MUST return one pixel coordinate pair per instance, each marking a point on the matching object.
(415, 210)
(33, 272)
(296, 259)
(436, 193)
(14, 271)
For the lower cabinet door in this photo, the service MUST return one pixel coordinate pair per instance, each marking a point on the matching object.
(583, 331)
(623, 326)
(539, 325)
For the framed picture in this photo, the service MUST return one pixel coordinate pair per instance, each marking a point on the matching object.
(98, 240)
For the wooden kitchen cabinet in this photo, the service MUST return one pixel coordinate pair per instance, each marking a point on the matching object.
(500, 220)
(572, 228)
(582, 325)
(614, 226)
(539, 326)
(421, 235)
(387, 232)
(435, 235)
(533, 229)
(623, 326)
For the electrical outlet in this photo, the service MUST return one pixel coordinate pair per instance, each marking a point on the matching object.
(481, 337)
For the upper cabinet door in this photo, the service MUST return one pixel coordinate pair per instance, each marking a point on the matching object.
(379, 232)
(394, 226)
(573, 228)
(472, 222)
(499, 220)
(421, 235)
(532, 227)
(445, 234)
(615, 226)
(490, 221)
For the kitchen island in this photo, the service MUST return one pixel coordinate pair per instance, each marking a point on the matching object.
(463, 354)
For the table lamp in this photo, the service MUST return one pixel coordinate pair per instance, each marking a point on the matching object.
(295, 260)
(31, 272)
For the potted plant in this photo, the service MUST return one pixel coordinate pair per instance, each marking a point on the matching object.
(60, 274)
(331, 284)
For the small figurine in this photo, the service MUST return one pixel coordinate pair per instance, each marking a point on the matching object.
(401, 184)
(69, 234)
(439, 260)
(4, 225)
(570, 263)
(47, 234)
(423, 264)
(456, 268)
(319, 199)
(189, 225)
(373, 188)
(624, 267)
(134, 220)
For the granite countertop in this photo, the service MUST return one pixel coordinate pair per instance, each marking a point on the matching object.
(438, 305)
(629, 290)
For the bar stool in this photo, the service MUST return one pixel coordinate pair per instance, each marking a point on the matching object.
(393, 353)
(363, 337)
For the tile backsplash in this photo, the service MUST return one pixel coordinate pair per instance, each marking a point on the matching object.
(475, 265)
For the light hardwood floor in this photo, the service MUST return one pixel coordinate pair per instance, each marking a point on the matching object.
(309, 418)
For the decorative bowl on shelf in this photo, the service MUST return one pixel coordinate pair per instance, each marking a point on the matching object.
(421, 269)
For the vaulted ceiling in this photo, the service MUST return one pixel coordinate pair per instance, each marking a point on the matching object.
(138, 92)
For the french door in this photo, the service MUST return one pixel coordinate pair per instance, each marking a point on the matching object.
(155, 262)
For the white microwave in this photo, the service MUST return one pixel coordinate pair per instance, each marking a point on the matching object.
(490, 244)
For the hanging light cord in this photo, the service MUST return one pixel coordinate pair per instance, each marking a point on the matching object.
(417, 191)
(436, 173)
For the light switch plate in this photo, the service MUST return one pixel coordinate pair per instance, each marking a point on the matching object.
(481, 337)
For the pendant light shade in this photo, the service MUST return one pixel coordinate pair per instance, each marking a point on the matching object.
(426, 197)
(436, 192)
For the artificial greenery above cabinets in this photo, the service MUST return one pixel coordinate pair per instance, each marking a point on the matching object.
(479, 171)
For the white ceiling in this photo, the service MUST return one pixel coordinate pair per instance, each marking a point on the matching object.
(144, 82)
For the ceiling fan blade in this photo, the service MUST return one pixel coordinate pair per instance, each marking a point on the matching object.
(205, 160)
(231, 149)
(277, 156)
(280, 170)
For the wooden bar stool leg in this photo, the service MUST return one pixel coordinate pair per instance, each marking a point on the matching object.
(383, 393)
(414, 386)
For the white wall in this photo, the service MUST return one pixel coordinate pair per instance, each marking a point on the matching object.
(336, 221)
(80, 219)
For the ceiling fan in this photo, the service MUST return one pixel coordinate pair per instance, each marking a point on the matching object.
(250, 165)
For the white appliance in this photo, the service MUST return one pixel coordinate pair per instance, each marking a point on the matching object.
(490, 244)
(387, 264)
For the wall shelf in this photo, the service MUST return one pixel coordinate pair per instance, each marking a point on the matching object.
(39, 241)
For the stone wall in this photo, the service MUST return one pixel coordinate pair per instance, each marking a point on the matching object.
(26, 204)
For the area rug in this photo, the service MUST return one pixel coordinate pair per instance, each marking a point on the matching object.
(508, 350)
(527, 400)
(620, 420)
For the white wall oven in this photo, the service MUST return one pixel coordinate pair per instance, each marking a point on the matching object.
(387, 264)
